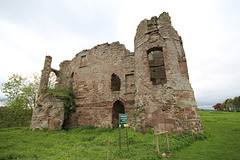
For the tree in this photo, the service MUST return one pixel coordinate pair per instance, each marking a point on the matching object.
(20, 89)
(218, 107)
(231, 104)
(224, 106)
(20, 93)
(236, 102)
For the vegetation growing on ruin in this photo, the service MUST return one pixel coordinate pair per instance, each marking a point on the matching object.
(66, 95)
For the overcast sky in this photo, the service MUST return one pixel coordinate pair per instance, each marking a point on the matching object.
(210, 29)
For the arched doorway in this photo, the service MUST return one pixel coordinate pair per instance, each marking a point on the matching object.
(118, 108)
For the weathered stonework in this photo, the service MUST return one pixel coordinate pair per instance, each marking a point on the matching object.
(151, 85)
(48, 113)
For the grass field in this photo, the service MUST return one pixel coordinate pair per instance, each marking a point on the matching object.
(220, 141)
(223, 142)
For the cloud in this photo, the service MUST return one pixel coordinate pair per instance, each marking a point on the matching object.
(204, 43)
(31, 29)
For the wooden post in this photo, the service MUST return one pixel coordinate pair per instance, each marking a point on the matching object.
(108, 148)
(127, 138)
(166, 133)
(119, 137)
(156, 140)
(193, 136)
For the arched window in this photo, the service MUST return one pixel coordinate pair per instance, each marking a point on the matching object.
(156, 66)
(115, 83)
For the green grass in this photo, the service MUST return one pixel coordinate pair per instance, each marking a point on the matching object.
(85, 143)
(220, 141)
(223, 142)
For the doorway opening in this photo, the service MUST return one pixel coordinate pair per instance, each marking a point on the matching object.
(118, 108)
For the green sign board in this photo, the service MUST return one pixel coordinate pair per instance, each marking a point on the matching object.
(123, 120)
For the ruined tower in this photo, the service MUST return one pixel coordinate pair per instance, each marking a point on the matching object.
(150, 84)
(163, 90)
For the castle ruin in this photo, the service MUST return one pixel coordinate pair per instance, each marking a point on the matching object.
(151, 84)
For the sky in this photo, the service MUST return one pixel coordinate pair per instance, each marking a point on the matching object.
(210, 30)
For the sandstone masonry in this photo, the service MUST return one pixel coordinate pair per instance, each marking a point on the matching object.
(150, 84)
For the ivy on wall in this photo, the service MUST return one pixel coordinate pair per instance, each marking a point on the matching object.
(67, 96)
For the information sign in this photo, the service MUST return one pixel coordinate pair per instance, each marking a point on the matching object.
(123, 120)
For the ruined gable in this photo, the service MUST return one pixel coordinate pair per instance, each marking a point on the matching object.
(151, 85)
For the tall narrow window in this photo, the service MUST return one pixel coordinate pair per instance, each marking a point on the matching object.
(115, 82)
(71, 79)
(156, 66)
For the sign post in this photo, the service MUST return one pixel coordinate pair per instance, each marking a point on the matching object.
(119, 137)
(123, 122)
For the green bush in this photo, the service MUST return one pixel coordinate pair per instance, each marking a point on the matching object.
(15, 116)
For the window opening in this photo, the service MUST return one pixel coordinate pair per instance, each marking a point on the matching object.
(156, 66)
(115, 82)
(71, 79)
(83, 61)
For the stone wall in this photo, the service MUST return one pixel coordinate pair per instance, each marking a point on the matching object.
(45, 74)
(48, 113)
(93, 74)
